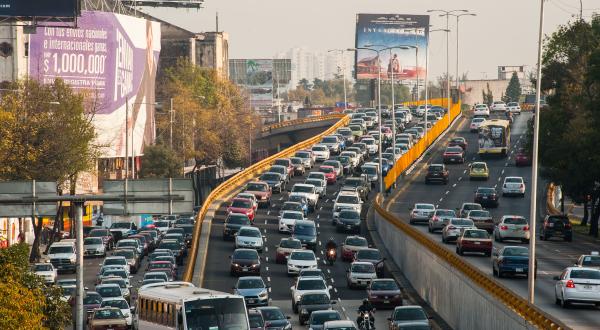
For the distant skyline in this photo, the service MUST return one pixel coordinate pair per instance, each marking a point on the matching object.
(502, 33)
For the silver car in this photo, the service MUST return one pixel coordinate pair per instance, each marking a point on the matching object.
(440, 218)
(421, 212)
(360, 274)
(455, 227)
(512, 227)
(94, 247)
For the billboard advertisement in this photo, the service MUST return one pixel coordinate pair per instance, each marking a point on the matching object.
(380, 31)
(259, 83)
(39, 8)
(113, 59)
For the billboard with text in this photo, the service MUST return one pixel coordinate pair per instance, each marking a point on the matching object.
(113, 58)
(381, 31)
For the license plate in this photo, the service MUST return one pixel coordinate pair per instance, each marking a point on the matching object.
(386, 301)
(477, 243)
(485, 197)
(587, 287)
(348, 227)
(251, 301)
(453, 159)
(245, 269)
(550, 225)
(519, 270)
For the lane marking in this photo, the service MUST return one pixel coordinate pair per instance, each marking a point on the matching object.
(506, 164)
(437, 205)
(447, 192)
(459, 178)
(465, 171)
(267, 268)
(332, 280)
(267, 259)
(454, 185)
(268, 279)
(266, 247)
(318, 216)
(329, 270)
(265, 221)
(335, 290)
(503, 171)
(500, 178)
(441, 199)
(268, 213)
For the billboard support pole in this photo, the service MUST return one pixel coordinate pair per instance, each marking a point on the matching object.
(79, 281)
(344, 77)
(126, 137)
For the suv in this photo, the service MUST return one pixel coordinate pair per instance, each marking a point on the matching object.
(306, 232)
(307, 190)
(347, 200)
(437, 172)
(62, 256)
(557, 226)
(308, 284)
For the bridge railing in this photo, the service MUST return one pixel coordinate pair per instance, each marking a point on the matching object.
(299, 121)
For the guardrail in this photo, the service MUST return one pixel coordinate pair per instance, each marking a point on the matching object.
(300, 121)
(523, 308)
(240, 178)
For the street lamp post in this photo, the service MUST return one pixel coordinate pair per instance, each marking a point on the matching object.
(427, 82)
(457, 52)
(342, 52)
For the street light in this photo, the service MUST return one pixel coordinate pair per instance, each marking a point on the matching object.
(457, 17)
(427, 82)
(342, 52)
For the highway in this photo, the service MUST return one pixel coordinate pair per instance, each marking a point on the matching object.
(553, 255)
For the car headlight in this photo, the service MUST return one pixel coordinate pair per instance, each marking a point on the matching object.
(298, 297)
(263, 294)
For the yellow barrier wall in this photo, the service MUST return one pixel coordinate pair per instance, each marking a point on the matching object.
(302, 121)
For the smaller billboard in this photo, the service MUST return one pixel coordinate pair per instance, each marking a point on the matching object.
(39, 8)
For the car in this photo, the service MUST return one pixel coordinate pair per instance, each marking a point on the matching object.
(384, 292)
(347, 220)
(347, 200)
(304, 285)
(479, 171)
(373, 256)
(131, 243)
(176, 247)
(330, 173)
(143, 242)
(357, 185)
(301, 259)
(110, 290)
(513, 185)
(321, 152)
(557, 226)
(287, 163)
(243, 206)
(285, 247)
(337, 166)
(122, 304)
(320, 186)
(244, 261)
(274, 318)
(513, 107)
(131, 256)
(307, 190)
(458, 141)
(577, 285)
(255, 319)
(162, 226)
(437, 172)
(109, 271)
(339, 325)
(481, 110)
(439, 219)
(486, 196)
(281, 170)
(454, 155)
(589, 260)
(482, 219)
(351, 245)
(311, 302)
(463, 212)
(332, 143)
(371, 143)
(156, 277)
(475, 123)
(421, 212)
(106, 235)
(253, 289)
(298, 164)
(249, 237)
(118, 261)
(353, 156)
(300, 199)
(474, 240)
(409, 317)
(287, 221)
(522, 158)
(498, 106)
(94, 247)
(233, 223)
(308, 272)
(319, 317)
(455, 227)
(46, 271)
(107, 318)
(163, 266)
(306, 157)
(91, 301)
(372, 173)
(513, 260)
(512, 227)
(346, 163)
(261, 191)
(246, 195)
(306, 232)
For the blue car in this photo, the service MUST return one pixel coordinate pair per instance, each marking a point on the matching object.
(302, 200)
(511, 260)
(253, 289)
(385, 163)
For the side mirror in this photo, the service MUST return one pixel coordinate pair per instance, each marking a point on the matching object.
(556, 278)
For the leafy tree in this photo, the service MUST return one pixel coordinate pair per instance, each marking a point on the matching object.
(305, 84)
(488, 96)
(323, 92)
(159, 161)
(513, 90)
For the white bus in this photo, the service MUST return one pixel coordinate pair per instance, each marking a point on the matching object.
(181, 306)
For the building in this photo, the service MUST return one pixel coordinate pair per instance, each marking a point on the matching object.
(472, 93)
(505, 72)
(310, 65)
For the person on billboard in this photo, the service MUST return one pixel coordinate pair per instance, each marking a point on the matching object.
(394, 66)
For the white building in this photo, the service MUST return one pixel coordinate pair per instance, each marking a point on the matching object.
(309, 65)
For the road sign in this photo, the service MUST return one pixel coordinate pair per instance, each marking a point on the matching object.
(27, 191)
(151, 188)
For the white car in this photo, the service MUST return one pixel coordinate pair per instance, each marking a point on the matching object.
(94, 247)
(354, 160)
(513, 107)
(440, 218)
(307, 190)
(46, 271)
(455, 227)
(120, 303)
(321, 152)
(475, 123)
(346, 200)
(512, 227)
(498, 106)
(589, 260)
(301, 259)
(312, 284)
(117, 261)
(481, 110)
(578, 285)
(332, 142)
(421, 212)
(287, 220)
(372, 145)
(513, 185)
(250, 238)
(320, 185)
(360, 274)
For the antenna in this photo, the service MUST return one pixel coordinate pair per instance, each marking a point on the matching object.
(217, 22)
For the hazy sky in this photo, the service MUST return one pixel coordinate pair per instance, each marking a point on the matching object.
(504, 32)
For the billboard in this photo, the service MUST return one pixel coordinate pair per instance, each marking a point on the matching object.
(39, 8)
(379, 31)
(113, 58)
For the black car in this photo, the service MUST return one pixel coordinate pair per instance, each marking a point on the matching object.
(357, 184)
(310, 302)
(346, 164)
(175, 247)
(188, 230)
(306, 232)
(274, 318)
(437, 172)
(233, 223)
(245, 261)
(557, 226)
(486, 197)
(348, 220)
(274, 180)
(373, 256)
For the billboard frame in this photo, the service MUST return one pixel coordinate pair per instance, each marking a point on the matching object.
(34, 19)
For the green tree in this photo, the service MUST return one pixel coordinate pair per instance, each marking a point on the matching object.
(513, 90)
(159, 161)
(487, 95)
(305, 84)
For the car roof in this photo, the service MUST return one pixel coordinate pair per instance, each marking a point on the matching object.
(361, 263)
(107, 285)
(293, 212)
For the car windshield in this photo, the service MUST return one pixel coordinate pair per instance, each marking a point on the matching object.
(298, 199)
(296, 161)
(316, 284)
(445, 213)
(409, 314)
(109, 291)
(349, 215)
(236, 219)
(92, 241)
(272, 314)
(42, 268)
(461, 222)
(368, 254)
(315, 182)
(292, 215)
(303, 189)
(278, 169)
(384, 285)
(352, 182)
(435, 168)
(160, 276)
(114, 261)
(476, 234)
(512, 104)
(478, 166)
(468, 207)
(128, 254)
(454, 149)
(320, 318)
(108, 314)
(301, 255)
(486, 190)
(319, 148)
(60, 249)
(120, 225)
(326, 169)
(346, 199)
(160, 265)
(329, 139)
(513, 180)
(243, 204)
(591, 261)
(302, 155)
(250, 283)
(308, 230)
(115, 272)
(270, 177)
(169, 245)
(290, 244)
(479, 213)
(314, 299)
(120, 282)
(162, 224)
(291, 206)
(282, 162)
(92, 299)
(249, 233)
(424, 207)
(516, 252)
(363, 268)
(369, 170)
(480, 106)
(118, 303)
(356, 241)
(515, 221)
(256, 187)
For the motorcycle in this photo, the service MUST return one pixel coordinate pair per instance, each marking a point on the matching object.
(366, 322)
(331, 256)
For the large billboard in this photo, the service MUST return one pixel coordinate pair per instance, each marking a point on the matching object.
(39, 8)
(113, 58)
(380, 31)
(259, 82)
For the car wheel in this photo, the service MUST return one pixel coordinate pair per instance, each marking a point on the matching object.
(294, 308)
(564, 303)
(444, 239)
(430, 229)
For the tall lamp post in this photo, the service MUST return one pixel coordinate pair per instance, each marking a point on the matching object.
(457, 52)
(427, 82)
(342, 52)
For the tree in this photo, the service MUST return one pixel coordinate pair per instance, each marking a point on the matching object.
(305, 84)
(159, 161)
(488, 96)
(513, 90)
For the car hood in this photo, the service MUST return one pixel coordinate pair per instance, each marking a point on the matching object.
(233, 226)
(258, 193)
(61, 255)
(411, 322)
(304, 238)
(384, 292)
(302, 262)
(97, 322)
(312, 308)
(251, 292)
(45, 272)
(355, 248)
(272, 182)
(277, 323)
(349, 221)
(93, 246)
(239, 210)
(249, 239)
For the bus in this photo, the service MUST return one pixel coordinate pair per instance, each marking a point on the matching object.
(181, 306)
(494, 137)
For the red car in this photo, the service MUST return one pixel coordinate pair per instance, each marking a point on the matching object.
(261, 191)
(454, 155)
(522, 158)
(242, 205)
(458, 141)
(474, 240)
(329, 171)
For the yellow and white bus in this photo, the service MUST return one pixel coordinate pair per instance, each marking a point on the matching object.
(494, 137)
(181, 305)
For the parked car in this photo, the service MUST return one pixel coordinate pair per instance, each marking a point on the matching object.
(556, 226)
(474, 240)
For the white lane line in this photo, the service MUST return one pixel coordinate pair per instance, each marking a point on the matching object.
(437, 205)
(320, 208)
(441, 199)
(319, 243)
(460, 178)
(327, 200)
(269, 290)
(268, 213)
(267, 268)
(329, 270)
(266, 247)
(318, 225)
(281, 198)
(447, 192)
(267, 259)
(465, 171)
(454, 185)
(495, 186)
(332, 280)
(265, 221)
(503, 171)
(268, 278)
(324, 262)
(500, 178)
(265, 230)
(506, 164)
(473, 157)
(318, 216)
(335, 290)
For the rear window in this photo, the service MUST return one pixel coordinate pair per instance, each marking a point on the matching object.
(515, 221)
(514, 180)
(586, 274)
(256, 187)
(476, 234)
(555, 219)
(356, 241)
(454, 149)
(462, 222)
(290, 244)
(319, 148)
(435, 168)
(245, 204)
(363, 268)
(591, 261)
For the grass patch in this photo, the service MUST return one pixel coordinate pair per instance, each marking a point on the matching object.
(577, 227)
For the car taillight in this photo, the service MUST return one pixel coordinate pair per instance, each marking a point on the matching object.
(436, 219)
(570, 284)
(503, 227)
(526, 228)
(451, 227)
(567, 225)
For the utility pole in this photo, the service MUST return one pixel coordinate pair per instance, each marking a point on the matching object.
(79, 281)
(342, 52)
(457, 48)
(171, 126)
(127, 137)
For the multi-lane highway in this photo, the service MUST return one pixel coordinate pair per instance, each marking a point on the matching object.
(553, 255)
